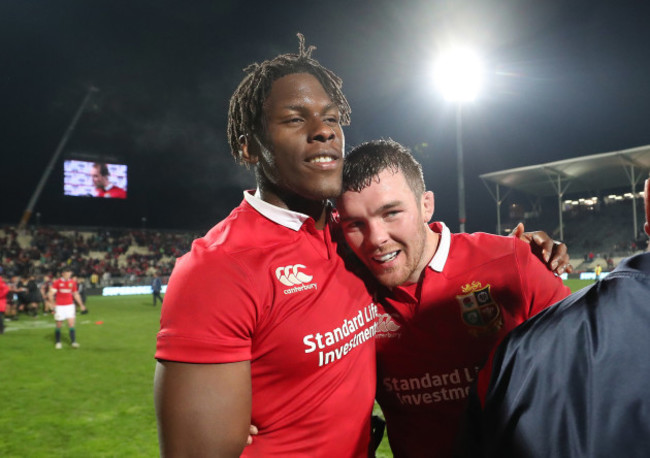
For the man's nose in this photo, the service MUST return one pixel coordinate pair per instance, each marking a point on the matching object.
(321, 131)
(376, 235)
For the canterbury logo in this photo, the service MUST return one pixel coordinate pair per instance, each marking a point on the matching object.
(291, 275)
(386, 324)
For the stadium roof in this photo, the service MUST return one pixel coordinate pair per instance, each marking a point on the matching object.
(586, 175)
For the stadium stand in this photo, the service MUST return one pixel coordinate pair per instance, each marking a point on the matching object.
(118, 256)
(597, 228)
(597, 235)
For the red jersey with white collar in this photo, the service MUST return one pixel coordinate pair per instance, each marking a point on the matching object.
(265, 285)
(4, 290)
(64, 291)
(433, 336)
(111, 191)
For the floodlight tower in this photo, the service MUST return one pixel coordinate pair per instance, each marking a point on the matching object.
(50, 166)
(458, 75)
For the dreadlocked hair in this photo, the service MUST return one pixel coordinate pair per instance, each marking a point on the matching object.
(365, 162)
(245, 113)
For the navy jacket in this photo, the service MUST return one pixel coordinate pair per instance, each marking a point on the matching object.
(573, 381)
(156, 285)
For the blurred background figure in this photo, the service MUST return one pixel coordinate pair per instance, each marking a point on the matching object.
(156, 288)
(4, 290)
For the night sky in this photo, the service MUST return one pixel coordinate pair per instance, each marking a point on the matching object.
(563, 81)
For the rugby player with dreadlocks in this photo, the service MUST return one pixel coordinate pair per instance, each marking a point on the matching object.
(288, 342)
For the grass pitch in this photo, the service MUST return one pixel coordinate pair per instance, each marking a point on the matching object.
(96, 401)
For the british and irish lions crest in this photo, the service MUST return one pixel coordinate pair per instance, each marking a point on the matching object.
(479, 311)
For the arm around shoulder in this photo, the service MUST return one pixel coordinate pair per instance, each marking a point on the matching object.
(202, 409)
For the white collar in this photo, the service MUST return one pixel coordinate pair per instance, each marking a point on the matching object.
(442, 253)
(287, 218)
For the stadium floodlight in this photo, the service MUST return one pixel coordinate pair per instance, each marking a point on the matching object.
(458, 75)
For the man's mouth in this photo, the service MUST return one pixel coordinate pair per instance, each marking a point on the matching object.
(387, 257)
(321, 158)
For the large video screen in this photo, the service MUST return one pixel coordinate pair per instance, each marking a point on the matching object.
(94, 179)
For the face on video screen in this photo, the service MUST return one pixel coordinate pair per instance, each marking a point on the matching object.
(94, 179)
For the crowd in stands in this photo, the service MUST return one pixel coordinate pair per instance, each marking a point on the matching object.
(101, 257)
(599, 235)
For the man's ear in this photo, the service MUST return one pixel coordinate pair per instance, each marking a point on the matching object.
(247, 150)
(428, 205)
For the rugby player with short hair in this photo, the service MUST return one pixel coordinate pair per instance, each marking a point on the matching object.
(446, 299)
(103, 186)
(64, 292)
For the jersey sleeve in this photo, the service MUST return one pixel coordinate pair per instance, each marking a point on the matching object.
(210, 310)
(541, 287)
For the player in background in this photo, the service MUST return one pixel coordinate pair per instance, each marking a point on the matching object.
(32, 294)
(12, 299)
(4, 290)
(81, 288)
(64, 292)
(102, 182)
(48, 305)
(445, 299)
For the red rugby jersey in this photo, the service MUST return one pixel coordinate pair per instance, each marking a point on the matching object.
(433, 336)
(64, 290)
(265, 285)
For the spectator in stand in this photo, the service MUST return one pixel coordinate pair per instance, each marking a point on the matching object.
(66, 292)
(156, 287)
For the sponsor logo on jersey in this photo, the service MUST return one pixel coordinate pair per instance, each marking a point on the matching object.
(296, 277)
(387, 327)
(479, 311)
